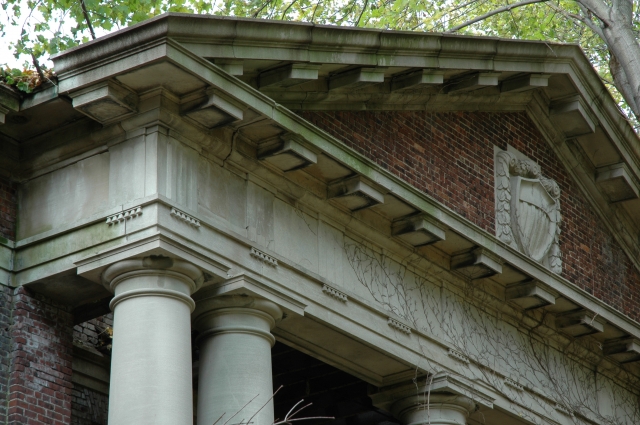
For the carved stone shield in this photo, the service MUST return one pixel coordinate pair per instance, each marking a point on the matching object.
(533, 218)
(528, 210)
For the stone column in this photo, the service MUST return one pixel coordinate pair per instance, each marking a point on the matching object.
(433, 409)
(235, 358)
(151, 379)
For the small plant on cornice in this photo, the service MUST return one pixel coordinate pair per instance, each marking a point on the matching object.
(25, 79)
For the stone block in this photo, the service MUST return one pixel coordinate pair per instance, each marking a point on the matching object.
(599, 148)
(417, 79)
(289, 75)
(623, 350)
(476, 264)
(473, 82)
(105, 101)
(524, 83)
(288, 153)
(571, 117)
(395, 209)
(418, 231)
(616, 182)
(218, 110)
(529, 295)
(232, 66)
(9, 101)
(357, 78)
(3, 114)
(355, 194)
(580, 323)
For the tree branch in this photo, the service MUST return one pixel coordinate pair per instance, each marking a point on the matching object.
(256, 13)
(287, 9)
(494, 12)
(583, 19)
(38, 69)
(622, 83)
(87, 20)
(625, 9)
(313, 17)
(598, 8)
(455, 9)
(366, 3)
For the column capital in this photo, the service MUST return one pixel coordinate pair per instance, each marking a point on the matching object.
(235, 313)
(433, 408)
(439, 384)
(206, 303)
(244, 287)
(152, 262)
(441, 400)
(175, 279)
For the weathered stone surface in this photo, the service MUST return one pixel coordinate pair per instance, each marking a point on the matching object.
(105, 102)
(417, 79)
(357, 78)
(571, 117)
(579, 324)
(218, 110)
(474, 81)
(525, 82)
(287, 153)
(418, 231)
(355, 194)
(529, 295)
(616, 182)
(289, 75)
(476, 264)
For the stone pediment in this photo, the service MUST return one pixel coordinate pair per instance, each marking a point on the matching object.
(231, 103)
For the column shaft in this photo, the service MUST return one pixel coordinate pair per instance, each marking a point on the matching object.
(235, 360)
(151, 379)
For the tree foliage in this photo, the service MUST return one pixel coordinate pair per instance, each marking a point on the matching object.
(50, 26)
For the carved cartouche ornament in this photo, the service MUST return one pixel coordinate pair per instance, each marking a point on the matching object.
(528, 210)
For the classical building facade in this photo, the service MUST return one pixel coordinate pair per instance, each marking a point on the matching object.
(398, 227)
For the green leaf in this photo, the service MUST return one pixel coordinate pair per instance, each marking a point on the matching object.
(23, 86)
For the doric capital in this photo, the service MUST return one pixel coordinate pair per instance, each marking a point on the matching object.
(434, 409)
(216, 314)
(208, 303)
(153, 275)
(113, 274)
(442, 400)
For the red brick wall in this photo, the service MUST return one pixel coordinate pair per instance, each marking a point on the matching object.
(40, 362)
(89, 407)
(6, 296)
(8, 209)
(95, 333)
(449, 156)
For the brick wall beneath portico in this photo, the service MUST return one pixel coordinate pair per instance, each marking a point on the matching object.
(6, 297)
(88, 407)
(450, 157)
(39, 361)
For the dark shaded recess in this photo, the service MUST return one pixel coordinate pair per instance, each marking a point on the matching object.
(91, 310)
(332, 391)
